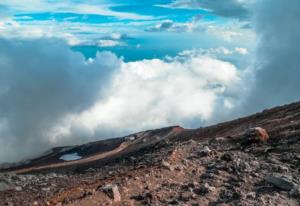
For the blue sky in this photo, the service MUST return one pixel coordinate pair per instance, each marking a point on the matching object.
(132, 29)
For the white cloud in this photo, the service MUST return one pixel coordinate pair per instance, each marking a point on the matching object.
(42, 81)
(116, 36)
(228, 31)
(110, 43)
(242, 51)
(217, 52)
(185, 90)
(69, 31)
(171, 26)
(33, 6)
(51, 96)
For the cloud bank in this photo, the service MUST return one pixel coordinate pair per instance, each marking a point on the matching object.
(278, 57)
(146, 94)
(41, 81)
(49, 95)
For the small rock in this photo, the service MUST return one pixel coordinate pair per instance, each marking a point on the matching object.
(229, 194)
(178, 168)
(295, 192)
(205, 151)
(282, 168)
(204, 189)
(280, 181)
(262, 134)
(227, 157)
(167, 165)
(130, 138)
(221, 139)
(90, 170)
(18, 188)
(185, 196)
(137, 197)
(4, 186)
(113, 192)
(132, 158)
(255, 164)
(251, 195)
(46, 189)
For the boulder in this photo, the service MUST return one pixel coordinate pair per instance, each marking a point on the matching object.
(281, 181)
(258, 134)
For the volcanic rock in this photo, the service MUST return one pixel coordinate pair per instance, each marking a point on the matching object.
(280, 181)
(113, 192)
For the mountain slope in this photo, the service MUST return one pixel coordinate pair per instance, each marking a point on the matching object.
(224, 164)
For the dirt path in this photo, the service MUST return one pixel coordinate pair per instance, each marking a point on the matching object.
(75, 162)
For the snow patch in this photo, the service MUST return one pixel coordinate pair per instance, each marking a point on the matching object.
(70, 157)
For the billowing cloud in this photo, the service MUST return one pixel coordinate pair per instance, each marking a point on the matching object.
(41, 81)
(51, 96)
(146, 94)
(278, 56)
(230, 8)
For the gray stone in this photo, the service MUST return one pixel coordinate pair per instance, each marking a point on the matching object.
(4, 186)
(280, 181)
(18, 188)
(295, 192)
(46, 189)
(167, 165)
(113, 192)
(251, 195)
(205, 151)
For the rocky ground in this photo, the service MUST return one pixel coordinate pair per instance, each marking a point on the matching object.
(248, 161)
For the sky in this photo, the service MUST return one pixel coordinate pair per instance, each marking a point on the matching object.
(75, 71)
(132, 29)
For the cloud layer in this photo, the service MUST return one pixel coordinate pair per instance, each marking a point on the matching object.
(146, 94)
(51, 96)
(41, 81)
(278, 56)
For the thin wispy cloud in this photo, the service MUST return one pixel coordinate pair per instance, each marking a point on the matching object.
(230, 8)
(37, 6)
